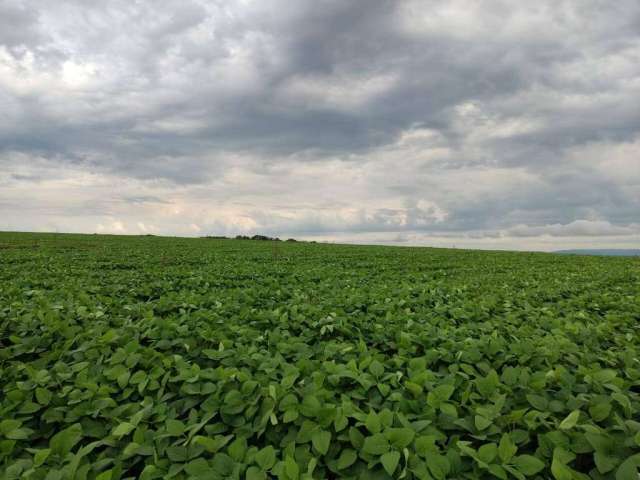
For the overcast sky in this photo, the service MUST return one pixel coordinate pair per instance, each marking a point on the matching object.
(493, 124)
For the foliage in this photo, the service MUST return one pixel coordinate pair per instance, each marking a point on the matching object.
(151, 357)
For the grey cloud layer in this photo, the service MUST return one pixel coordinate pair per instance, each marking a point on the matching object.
(465, 118)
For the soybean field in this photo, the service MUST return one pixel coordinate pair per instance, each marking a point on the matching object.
(156, 358)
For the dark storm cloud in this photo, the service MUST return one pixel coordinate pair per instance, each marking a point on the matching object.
(521, 105)
(432, 71)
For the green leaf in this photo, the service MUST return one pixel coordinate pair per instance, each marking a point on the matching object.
(290, 416)
(602, 443)
(528, 464)
(177, 453)
(347, 458)
(438, 465)
(62, 442)
(439, 394)
(19, 434)
(320, 441)
(340, 423)
(238, 449)
(9, 425)
(390, 461)
(130, 449)
(291, 468)
(482, 422)
(498, 471)
(444, 392)
(488, 452)
(559, 466)
(400, 437)
(106, 475)
(254, 473)
(624, 401)
(538, 402)
(175, 428)
(506, 449)
(222, 466)
(198, 468)
(125, 428)
(43, 396)
(41, 456)
(628, 470)
(372, 422)
(449, 409)
(123, 379)
(12, 430)
(234, 403)
(425, 444)
(356, 438)
(29, 407)
(313, 463)
(570, 421)
(562, 455)
(605, 463)
(376, 369)
(310, 406)
(212, 445)
(149, 472)
(376, 444)
(600, 411)
(605, 375)
(488, 385)
(266, 457)
(518, 475)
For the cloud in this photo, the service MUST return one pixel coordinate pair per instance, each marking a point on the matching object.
(414, 120)
(19, 25)
(577, 228)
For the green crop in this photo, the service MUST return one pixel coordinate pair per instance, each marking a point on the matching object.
(149, 357)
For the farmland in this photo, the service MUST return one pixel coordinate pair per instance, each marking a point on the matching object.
(151, 357)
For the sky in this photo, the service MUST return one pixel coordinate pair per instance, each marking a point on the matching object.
(494, 124)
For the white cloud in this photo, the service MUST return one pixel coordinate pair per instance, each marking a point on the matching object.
(479, 126)
(577, 228)
(114, 226)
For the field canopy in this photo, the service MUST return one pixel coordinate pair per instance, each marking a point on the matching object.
(150, 357)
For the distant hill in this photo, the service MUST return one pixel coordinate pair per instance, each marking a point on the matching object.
(615, 252)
